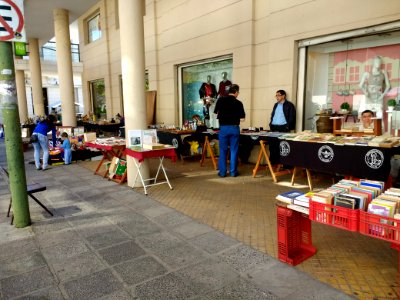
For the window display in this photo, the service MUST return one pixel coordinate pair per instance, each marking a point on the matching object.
(363, 72)
(199, 89)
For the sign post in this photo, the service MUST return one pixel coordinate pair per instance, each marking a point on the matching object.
(11, 29)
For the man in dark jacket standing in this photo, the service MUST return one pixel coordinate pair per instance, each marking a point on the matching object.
(283, 117)
(230, 113)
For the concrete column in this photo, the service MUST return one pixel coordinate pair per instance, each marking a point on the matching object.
(21, 94)
(36, 77)
(64, 66)
(133, 70)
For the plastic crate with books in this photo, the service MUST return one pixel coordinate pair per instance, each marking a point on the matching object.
(294, 236)
(381, 220)
(340, 205)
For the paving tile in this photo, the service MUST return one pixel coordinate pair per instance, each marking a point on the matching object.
(207, 275)
(166, 287)
(213, 242)
(157, 241)
(64, 250)
(48, 293)
(26, 283)
(156, 211)
(121, 252)
(53, 224)
(139, 270)
(106, 239)
(180, 256)
(21, 263)
(192, 229)
(241, 289)
(52, 238)
(142, 203)
(139, 226)
(281, 279)
(172, 219)
(244, 258)
(22, 246)
(94, 286)
(77, 266)
(118, 295)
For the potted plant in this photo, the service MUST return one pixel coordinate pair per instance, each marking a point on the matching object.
(391, 103)
(345, 107)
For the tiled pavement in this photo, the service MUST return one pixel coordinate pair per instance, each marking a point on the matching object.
(111, 242)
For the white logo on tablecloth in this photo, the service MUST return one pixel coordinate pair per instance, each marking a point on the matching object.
(284, 148)
(374, 158)
(325, 153)
(175, 142)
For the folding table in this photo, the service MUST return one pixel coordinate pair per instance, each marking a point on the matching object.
(109, 151)
(141, 154)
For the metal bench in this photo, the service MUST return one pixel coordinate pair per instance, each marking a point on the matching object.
(30, 189)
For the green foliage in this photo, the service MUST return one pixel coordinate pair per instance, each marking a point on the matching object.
(391, 102)
(345, 105)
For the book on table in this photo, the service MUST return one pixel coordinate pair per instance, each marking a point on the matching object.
(344, 202)
(288, 197)
(154, 146)
(373, 183)
(299, 208)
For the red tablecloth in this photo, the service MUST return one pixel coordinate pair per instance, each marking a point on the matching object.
(140, 155)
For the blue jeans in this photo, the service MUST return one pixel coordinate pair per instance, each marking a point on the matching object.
(44, 144)
(67, 156)
(228, 136)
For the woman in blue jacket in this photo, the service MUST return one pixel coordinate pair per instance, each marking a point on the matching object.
(41, 130)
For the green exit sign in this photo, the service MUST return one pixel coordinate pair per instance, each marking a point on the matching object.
(20, 48)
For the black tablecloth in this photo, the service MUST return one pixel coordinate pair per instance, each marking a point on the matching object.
(358, 161)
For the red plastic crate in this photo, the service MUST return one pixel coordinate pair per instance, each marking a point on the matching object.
(335, 216)
(379, 227)
(294, 236)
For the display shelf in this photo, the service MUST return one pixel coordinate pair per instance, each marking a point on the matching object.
(294, 236)
(337, 128)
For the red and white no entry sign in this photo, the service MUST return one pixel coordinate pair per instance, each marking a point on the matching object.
(12, 20)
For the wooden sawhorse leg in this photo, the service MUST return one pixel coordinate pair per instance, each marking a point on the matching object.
(263, 153)
(206, 147)
(309, 180)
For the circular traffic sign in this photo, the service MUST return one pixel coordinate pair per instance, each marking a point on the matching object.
(10, 32)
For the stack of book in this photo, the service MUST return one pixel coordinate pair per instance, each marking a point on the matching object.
(288, 197)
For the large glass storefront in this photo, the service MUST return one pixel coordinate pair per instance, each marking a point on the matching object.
(200, 85)
(97, 89)
(362, 71)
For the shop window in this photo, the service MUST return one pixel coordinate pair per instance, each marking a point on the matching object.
(363, 71)
(98, 95)
(192, 78)
(94, 28)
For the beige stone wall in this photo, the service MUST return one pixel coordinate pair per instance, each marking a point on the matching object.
(261, 35)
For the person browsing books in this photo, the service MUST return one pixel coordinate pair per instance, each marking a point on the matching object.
(230, 113)
(41, 130)
(66, 146)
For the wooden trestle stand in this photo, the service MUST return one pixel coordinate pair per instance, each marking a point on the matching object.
(274, 173)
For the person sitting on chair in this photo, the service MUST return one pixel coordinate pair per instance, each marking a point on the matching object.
(366, 119)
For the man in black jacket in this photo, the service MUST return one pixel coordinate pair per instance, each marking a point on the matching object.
(283, 117)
